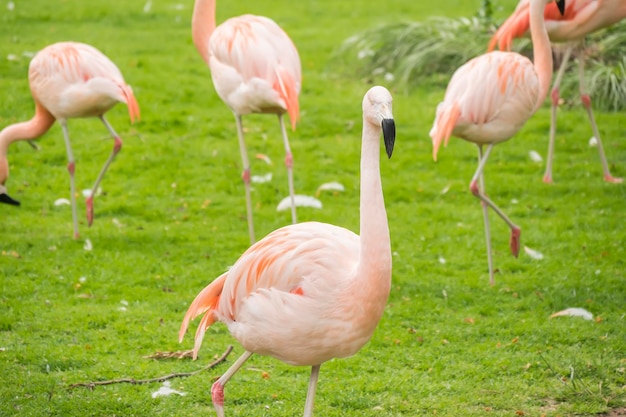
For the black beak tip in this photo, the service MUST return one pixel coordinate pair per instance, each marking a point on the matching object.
(4, 198)
(561, 5)
(389, 135)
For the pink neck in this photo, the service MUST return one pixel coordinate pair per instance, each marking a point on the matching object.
(202, 26)
(542, 50)
(35, 127)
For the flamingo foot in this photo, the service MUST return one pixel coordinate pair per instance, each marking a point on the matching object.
(614, 180)
(217, 396)
(76, 235)
(89, 203)
(515, 241)
(547, 178)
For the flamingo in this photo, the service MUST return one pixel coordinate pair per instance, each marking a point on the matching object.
(69, 80)
(488, 100)
(309, 292)
(581, 18)
(255, 68)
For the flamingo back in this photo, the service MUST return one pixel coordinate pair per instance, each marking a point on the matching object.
(487, 100)
(255, 66)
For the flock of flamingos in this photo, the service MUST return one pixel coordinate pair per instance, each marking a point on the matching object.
(309, 292)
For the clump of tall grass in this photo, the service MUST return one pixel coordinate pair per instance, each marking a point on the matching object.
(413, 52)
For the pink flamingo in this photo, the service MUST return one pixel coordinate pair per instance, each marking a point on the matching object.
(488, 100)
(581, 18)
(69, 80)
(255, 69)
(309, 292)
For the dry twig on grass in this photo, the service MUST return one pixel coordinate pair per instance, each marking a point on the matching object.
(92, 385)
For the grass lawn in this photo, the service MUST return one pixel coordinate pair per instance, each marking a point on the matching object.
(171, 218)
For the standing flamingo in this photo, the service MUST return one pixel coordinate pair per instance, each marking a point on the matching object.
(255, 69)
(69, 80)
(581, 18)
(489, 99)
(309, 292)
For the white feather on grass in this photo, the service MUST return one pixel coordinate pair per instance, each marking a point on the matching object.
(330, 186)
(535, 157)
(301, 201)
(574, 312)
(534, 254)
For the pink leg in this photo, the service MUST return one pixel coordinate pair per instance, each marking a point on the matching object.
(117, 146)
(246, 177)
(217, 390)
(310, 395)
(476, 190)
(586, 100)
(547, 177)
(71, 168)
(289, 165)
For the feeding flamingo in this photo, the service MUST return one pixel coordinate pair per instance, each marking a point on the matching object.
(581, 18)
(488, 100)
(255, 68)
(309, 292)
(69, 80)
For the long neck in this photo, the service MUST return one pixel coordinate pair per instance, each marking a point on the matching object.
(35, 127)
(542, 50)
(202, 26)
(375, 259)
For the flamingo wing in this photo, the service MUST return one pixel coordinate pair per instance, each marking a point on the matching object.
(255, 66)
(487, 100)
(293, 267)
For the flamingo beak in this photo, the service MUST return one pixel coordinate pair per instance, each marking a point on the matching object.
(561, 5)
(4, 198)
(389, 135)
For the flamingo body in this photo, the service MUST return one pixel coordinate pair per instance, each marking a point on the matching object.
(487, 115)
(69, 80)
(309, 292)
(255, 67)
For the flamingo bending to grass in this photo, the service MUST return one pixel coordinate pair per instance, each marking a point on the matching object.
(69, 80)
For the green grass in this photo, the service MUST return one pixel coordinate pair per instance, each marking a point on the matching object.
(172, 217)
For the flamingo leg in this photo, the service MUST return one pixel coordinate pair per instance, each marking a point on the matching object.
(586, 100)
(547, 176)
(474, 187)
(289, 165)
(481, 181)
(71, 167)
(245, 176)
(310, 395)
(116, 148)
(217, 390)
